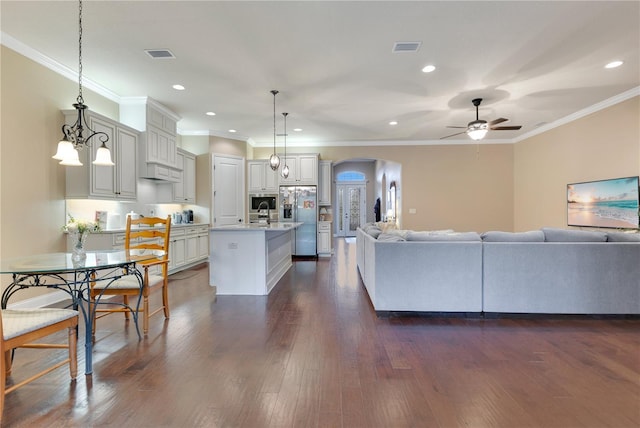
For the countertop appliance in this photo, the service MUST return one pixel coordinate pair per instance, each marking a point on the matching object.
(263, 208)
(298, 204)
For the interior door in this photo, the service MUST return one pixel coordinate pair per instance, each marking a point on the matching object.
(351, 202)
(228, 190)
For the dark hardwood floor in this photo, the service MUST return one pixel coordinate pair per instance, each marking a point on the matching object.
(314, 354)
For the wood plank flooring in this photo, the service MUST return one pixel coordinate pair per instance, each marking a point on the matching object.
(314, 354)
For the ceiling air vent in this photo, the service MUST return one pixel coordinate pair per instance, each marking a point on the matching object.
(406, 47)
(160, 53)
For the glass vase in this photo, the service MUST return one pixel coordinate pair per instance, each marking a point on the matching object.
(78, 253)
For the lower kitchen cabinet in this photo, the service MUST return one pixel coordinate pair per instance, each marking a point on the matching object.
(324, 238)
(188, 245)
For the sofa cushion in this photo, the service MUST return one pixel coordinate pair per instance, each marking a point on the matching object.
(498, 236)
(566, 235)
(424, 235)
(371, 229)
(390, 237)
(623, 237)
(460, 236)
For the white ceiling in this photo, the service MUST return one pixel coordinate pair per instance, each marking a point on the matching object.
(532, 62)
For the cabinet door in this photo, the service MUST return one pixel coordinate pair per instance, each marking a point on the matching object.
(324, 242)
(203, 246)
(126, 164)
(324, 183)
(103, 178)
(308, 169)
(189, 178)
(271, 179)
(177, 252)
(292, 163)
(178, 188)
(256, 174)
(191, 249)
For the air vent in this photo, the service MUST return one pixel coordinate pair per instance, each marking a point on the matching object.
(406, 47)
(160, 53)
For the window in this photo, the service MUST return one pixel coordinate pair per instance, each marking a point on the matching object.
(351, 176)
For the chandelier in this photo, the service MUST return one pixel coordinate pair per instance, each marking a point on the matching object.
(285, 168)
(75, 137)
(274, 160)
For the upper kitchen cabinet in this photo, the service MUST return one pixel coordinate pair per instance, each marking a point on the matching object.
(324, 183)
(184, 191)
(262, 179)
(104, 182)
(303, 169)
(157, 150)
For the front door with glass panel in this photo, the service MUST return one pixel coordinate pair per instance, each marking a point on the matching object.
(351, 208)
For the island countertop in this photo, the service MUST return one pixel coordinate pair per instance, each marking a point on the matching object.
(276, 226)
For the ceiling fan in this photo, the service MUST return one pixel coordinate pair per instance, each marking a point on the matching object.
(477, 129)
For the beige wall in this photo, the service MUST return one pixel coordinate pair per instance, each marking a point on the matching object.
(32, 184)
(605, 144)
(461, 187)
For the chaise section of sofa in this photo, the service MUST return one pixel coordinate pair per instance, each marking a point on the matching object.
(438, 275)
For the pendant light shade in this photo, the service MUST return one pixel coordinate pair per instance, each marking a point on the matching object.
(477, 129)
(78, 136)
(274, 160)
(285, 168)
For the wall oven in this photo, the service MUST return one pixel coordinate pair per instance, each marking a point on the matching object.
(262, 207)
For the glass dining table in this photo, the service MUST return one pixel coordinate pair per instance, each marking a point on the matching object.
(59, 271)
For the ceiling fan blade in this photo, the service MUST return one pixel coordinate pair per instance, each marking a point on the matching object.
(452, 135)
(459, 127)
(505, 128)
(497, 121)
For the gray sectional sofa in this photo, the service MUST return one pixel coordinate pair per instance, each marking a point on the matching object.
(549, 271)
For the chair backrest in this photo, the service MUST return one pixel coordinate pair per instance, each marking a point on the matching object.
(153, 233)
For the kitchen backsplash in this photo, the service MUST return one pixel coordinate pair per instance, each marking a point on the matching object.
(117, 211)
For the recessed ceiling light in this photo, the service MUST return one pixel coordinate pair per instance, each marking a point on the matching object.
(232, 130)
(210, 113)
(393, 122)
(428, 68)
(298, 129)
(613, 64)
(178, 87)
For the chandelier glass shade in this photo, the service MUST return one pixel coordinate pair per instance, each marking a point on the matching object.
(477, 129)
(79, 135)
(274, 160)
(285, 168)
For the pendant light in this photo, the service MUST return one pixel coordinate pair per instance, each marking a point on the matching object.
(73, 136)
(274, 160)
(285, 168)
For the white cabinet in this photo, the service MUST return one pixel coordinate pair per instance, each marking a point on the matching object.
(104, 182)
(184, 190)
(157, 150)
(177, 249)
(262, 179)
(324, 182)
(303, 169)
(324, 238)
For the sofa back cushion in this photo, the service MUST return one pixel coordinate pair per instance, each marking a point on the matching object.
(498, 236)
(566, 235)
(428, 236)
(623, 237)
(390, 237)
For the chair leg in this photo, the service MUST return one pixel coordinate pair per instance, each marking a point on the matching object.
(93, 310)
(7, 361)
(125, 300)
(73, 352)
(3, 385)
(165, 299)
(145, 315)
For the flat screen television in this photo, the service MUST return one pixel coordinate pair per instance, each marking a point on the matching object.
(609, 203)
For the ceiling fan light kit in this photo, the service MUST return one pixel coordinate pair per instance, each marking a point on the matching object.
(477, 129)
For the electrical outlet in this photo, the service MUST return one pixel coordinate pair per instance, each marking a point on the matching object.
(412, 211)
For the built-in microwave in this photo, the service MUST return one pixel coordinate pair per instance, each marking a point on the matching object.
(263, 207)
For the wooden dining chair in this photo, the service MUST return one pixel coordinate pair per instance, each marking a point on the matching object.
(22, 328)
(146, 233)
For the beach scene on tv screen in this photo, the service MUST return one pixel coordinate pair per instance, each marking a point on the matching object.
(607, 203)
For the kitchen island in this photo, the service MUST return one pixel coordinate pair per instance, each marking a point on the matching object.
(249, 258)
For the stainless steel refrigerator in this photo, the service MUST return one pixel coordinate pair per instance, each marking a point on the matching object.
(298, 204)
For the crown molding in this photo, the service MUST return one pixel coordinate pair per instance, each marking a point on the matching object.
(634, 92)
(56, 67)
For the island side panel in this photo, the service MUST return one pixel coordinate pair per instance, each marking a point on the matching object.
(237, 262)
(278, 256)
